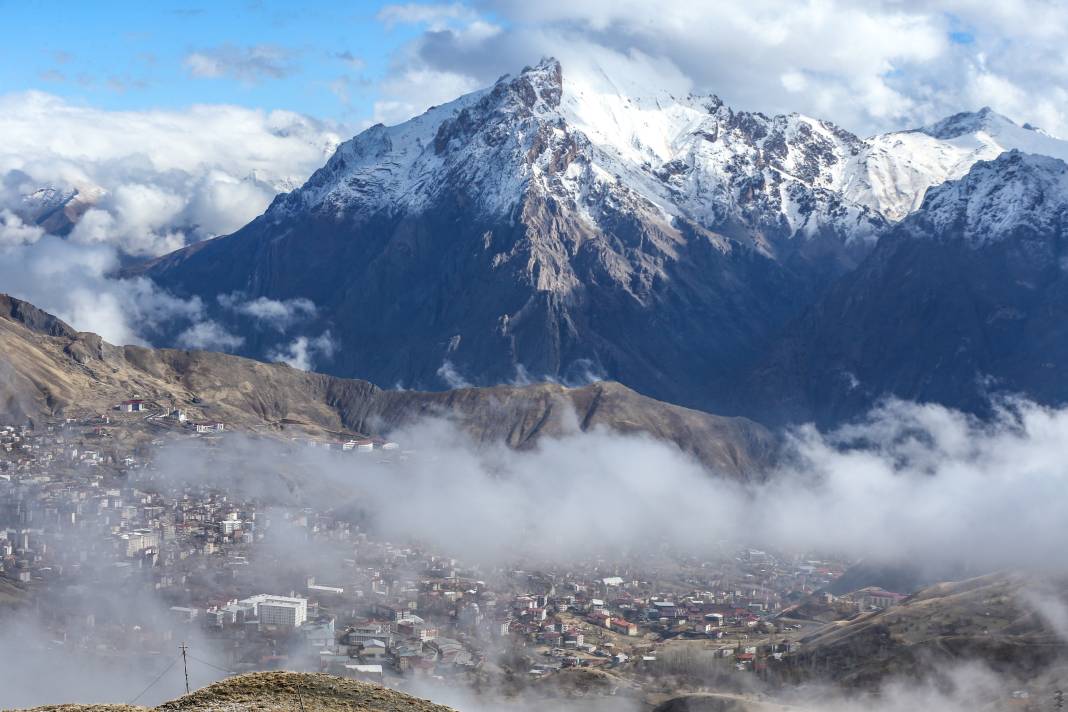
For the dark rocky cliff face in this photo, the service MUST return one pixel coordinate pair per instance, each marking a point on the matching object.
(403, 296)
(963, 300)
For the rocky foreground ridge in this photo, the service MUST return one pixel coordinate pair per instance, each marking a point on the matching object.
(51, 370)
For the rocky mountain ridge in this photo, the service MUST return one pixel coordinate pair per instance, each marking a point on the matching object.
(50, 370)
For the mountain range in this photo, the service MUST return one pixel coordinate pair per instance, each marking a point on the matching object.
(574, 228)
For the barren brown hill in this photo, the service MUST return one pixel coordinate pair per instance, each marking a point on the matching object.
(279, 692)
(998, 619)
(51, 370)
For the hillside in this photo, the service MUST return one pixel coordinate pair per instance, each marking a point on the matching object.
(997, 619)
(279, 692)
(50, 370)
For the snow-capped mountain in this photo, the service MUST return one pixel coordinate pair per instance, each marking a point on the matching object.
(690, 157)
(999, 199)
(563, 227)
(57, 210)
(893, 171)
(693, 159)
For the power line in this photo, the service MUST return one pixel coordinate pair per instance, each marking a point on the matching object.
(157, 679)
(211, 665)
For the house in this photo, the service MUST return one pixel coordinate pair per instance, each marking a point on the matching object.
(184, 614)
(666, 609)
(372, 650)
(366, 673)
(364, 633)
(601, 618)
(319, 635)
(870, 598)
(132, 406)
(624, 627)
(706, 628)
(359, 445)
(210, 427)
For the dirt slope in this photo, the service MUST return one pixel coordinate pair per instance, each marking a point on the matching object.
(279, 692)
(51, 370)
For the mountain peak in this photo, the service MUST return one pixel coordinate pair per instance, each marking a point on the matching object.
(544, 81)
(968, 122)
(999, 198)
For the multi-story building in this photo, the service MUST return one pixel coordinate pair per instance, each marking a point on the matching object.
(138, 540)
(280, 611)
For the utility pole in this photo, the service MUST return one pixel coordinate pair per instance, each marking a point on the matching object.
(185, 664)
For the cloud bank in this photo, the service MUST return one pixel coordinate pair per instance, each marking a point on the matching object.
(868, 66)
(153, 181)
(911, 483)
(146, 182)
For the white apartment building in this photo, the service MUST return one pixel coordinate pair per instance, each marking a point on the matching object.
(138, 540)
(281, 611)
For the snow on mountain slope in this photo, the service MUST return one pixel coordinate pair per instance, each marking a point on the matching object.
(684, 158)
(57, 210)
(894, 171)
(1012, 193)
(720, 166)
(585, 138)
(963, 300)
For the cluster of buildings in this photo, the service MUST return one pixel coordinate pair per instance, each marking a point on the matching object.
(81, 505)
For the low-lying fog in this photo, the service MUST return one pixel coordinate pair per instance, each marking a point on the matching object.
(917, 483)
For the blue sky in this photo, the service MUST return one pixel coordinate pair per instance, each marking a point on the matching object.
(135, 55)
(869, 65)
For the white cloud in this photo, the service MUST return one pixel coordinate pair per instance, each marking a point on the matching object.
(436, 15)
(156, 179)
(452, 377)
(276, 313)
(409, 93)
(912, 483)
(73, 281)
(137, 217)
(13, 231)
(209, 336)
(245, 64)
(869, 66)
(305, 352)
